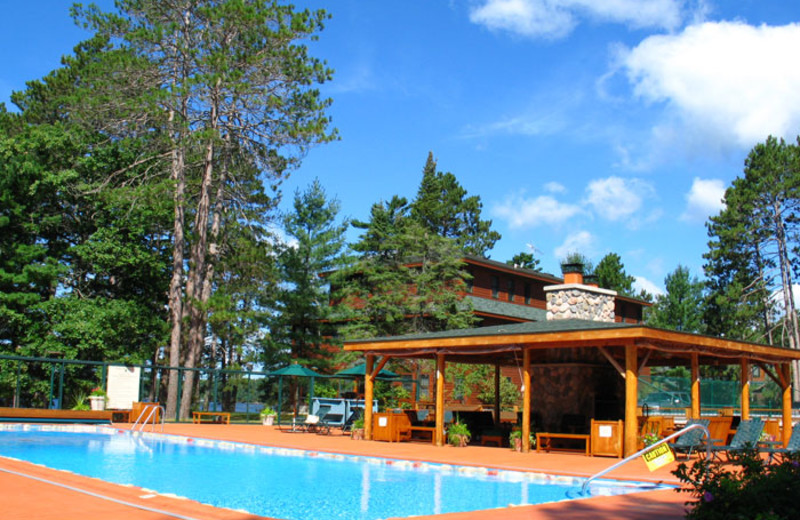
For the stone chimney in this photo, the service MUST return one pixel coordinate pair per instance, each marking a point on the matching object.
(576, 301)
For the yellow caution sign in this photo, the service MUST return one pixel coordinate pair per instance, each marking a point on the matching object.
(659, 456)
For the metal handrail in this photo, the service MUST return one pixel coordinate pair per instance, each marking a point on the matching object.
(648, 448)
(153, 410)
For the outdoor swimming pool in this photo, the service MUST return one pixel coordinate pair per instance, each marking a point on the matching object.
(285, 483)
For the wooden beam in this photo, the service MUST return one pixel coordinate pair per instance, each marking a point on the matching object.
(377, 370)
(440, 367)
(745, 380)
(631, 398)
(526, 401)
(368, 393)
(770, 373)
(645, 360)
(785, 371)
(613, 361)
(497, 395)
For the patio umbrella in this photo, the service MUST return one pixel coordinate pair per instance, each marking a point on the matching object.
(294, 370)
(358, 371)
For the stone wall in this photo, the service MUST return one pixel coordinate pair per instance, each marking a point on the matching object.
(579, 302)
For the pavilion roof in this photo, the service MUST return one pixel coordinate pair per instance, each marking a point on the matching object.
(501, 343)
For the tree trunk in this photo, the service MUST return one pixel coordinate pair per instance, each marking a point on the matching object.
(176, 283)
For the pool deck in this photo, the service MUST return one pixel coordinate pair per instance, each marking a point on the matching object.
(24, 498)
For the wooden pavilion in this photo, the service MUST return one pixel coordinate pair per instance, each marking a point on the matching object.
(623, 347)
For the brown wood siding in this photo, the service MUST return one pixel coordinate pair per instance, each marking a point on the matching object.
(482, 287)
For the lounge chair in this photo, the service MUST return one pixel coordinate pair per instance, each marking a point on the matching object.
(792, 448)
(326, 418)
(312, 422)
(747, 435)
(355, 415)
(689, 441)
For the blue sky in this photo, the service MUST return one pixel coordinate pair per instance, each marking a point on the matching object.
(583, 125)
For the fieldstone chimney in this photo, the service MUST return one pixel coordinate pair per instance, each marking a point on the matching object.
(575, 301)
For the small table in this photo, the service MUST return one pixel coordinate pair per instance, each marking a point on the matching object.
(497, 440)
(543, 441)
(426, 430)
(215, 417)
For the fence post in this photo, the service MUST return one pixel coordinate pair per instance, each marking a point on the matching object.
(61, 388)
(19, 382)
(180, 395)
(52, 384)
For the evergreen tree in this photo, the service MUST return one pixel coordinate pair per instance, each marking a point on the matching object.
(232, 93)
(315, 249)
(406, 278)
(681, 308)
(524, 260)
(611, 274)
(443, 207)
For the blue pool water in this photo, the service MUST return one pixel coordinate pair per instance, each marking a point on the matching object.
(284, 483)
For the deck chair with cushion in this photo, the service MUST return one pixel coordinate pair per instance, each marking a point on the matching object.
(793, 448)
(312, 422)
(689, 441)
(747, 435)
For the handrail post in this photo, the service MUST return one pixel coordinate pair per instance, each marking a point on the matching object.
(648, 448)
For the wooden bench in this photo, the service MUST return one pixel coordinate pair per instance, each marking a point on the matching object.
(426, 430)
(213, 418)
(58, 416)
(543, 441)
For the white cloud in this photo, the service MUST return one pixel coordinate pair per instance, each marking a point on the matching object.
(615, 198)
(521, 212)
(643, 283)
(557, 18)
(727, 81)
(704, 199)
(555, 187)
(581, 242)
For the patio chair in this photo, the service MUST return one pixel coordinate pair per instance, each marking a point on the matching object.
(689, 441)
(326, 419)
(355, 415)
(747, 435)
(312, 422)
(792, 448)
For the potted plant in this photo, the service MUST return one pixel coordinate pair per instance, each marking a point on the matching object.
(268, 416)
(458, 434)
(97, 399)
(650, 438)
(358, 429)
(515, 440)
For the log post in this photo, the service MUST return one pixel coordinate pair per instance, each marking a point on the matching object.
(631, 398)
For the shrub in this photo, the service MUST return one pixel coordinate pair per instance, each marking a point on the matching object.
(458, 434)
(746, 489)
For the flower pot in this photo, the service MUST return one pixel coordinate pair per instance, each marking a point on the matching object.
(357, 434)
(97, 402)
(267, 420)
(517, 444)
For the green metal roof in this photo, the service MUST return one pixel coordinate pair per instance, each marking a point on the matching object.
(510, 310)
(532, 327)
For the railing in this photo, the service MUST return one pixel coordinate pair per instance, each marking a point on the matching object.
(154, 413)
(648, 448)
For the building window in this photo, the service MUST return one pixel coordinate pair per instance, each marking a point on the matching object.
(527, 290)
(468, 281)
(495, 286)
(510, 286)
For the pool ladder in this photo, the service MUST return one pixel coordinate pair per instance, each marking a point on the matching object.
(648, 448)
(155, 411)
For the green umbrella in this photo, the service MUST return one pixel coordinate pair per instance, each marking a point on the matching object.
(294, 370)
(360, 370)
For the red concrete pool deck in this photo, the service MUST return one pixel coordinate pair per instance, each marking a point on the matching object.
(24, 498)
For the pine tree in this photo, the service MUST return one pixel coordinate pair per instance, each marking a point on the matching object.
(315, 248)
(443, 207)
(681, 308)
(610, 272)
(525, 261)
